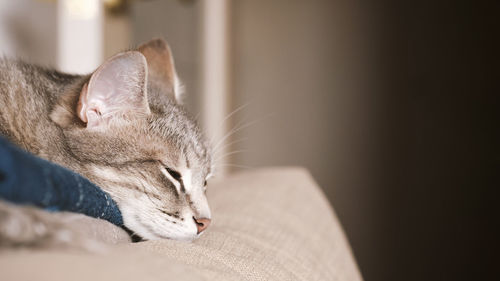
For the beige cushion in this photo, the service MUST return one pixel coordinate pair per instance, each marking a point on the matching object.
(269, 224)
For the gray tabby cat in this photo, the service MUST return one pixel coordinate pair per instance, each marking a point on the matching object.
(123, 128)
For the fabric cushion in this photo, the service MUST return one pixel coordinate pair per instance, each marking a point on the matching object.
(268, 224)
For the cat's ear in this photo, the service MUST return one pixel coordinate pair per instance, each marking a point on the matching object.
(117, 89)
(161, 68)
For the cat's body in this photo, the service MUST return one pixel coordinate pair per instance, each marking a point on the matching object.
(123, 128)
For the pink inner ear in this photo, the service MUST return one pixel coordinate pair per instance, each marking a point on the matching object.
(117, 89)
(82, 104)
(86, 112)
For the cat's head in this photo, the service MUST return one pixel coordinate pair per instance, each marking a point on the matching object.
(129, 134)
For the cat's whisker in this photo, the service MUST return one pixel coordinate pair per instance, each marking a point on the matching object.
(240, 122)
(229, 134)
(229, 116)
(235, 111)
(228, 154)
(232, 132)
(234, 166)
(229, 144)
(237, 166)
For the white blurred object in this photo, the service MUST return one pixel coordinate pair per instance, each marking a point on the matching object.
(28, 30)
(216, 76)
(79, 35)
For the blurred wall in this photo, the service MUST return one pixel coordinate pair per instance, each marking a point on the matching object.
(306, 72)
(179, 23)
(27, 29)
(64, 34)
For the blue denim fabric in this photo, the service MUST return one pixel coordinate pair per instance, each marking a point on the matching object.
(30, 180)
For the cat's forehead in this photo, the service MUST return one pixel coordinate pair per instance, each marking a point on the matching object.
(184, 142)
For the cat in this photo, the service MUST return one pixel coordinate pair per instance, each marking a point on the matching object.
(124, 128)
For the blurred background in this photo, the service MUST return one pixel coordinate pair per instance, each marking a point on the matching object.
(387, 103)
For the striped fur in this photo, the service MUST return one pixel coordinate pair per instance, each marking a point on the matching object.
(129, 158)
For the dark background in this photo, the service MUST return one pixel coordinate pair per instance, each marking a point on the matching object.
(437, 160)
(390, 104)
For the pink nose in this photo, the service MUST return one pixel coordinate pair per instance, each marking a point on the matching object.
(201, 224)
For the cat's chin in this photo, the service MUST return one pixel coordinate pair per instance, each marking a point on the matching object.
(147, 233)
(187, 237)
(149, 230)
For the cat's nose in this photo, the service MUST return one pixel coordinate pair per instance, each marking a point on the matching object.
(201, 224)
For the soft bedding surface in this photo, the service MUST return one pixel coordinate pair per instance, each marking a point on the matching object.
(268, 224)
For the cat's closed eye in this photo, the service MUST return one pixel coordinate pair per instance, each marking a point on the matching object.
(176, 175)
